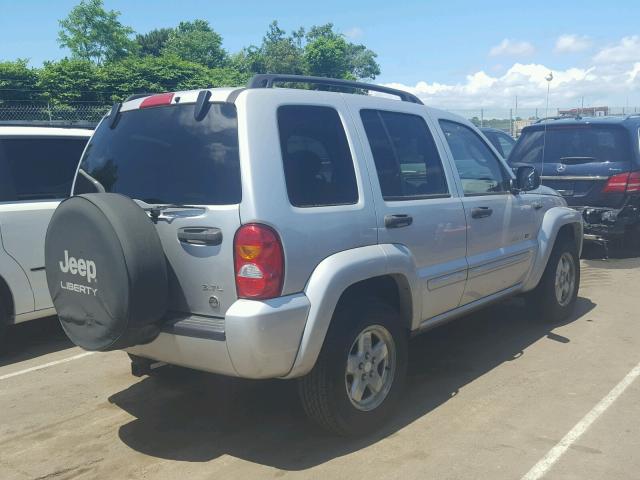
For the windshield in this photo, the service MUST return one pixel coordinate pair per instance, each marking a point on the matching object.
(163, 155)
(573, 144)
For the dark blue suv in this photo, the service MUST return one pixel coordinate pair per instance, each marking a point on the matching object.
(595, 164)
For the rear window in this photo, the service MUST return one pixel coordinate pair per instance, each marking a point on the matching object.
(38, 168)
(317, 162)
(163, 155)
(573, 144)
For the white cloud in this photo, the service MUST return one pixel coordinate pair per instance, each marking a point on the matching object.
(570, 43)
(512, 47)
(353, 33)
(598, 84)
(626, 50)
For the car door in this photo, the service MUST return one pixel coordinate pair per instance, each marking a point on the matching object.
(39, 172)
(501, 226)
(417, 204)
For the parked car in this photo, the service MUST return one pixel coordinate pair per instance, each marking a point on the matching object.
(292, 233)
(501, 141)
(37, 166)
(595, 164)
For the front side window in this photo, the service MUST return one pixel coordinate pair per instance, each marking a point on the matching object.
(479, 169)
(317, 161)
(38, 168)
(406, 157)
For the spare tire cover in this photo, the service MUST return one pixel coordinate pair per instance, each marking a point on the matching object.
(106, 271)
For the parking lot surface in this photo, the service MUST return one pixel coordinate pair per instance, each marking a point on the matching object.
(496, 394)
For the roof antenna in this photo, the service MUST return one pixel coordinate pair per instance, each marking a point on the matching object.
(548, 78)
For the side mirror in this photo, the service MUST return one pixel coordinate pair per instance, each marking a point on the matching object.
(527, 179)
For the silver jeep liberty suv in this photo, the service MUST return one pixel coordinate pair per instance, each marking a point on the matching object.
(291, 233)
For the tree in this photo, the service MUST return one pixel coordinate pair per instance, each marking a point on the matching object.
(69, 80)
(328, 53)
(153, 42)
(321, 51)
(150, 74)
(95, 34)
(196, 42)
(18, 81)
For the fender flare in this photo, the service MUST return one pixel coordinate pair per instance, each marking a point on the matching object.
(333, 276)
(554, 219)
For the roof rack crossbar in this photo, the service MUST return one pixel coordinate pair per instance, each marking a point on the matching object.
(266, 80)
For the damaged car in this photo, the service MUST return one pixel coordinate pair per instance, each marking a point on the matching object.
(595, 164)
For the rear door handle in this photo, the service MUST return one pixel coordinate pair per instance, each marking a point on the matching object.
(397, 221)
(200, 235)
(481, 212)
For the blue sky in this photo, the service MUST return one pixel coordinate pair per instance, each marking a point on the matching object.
(446, 51)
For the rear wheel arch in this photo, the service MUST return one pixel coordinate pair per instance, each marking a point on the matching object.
(392, 289)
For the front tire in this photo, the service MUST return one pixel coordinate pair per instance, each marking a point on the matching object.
(555, 297)
(360, 372)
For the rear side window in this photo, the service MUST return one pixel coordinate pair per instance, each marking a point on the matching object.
(38, 168)
(406, 157)
(164, 155)
(317, 162)
(573, 144)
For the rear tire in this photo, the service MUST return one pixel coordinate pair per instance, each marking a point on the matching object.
(554, 298)
(350, 391)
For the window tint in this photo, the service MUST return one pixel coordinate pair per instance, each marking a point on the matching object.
(506, 143)
(406, 158)
(317, 162)
(479, 169)
(38, 168)
(163, 155)
(573, 144)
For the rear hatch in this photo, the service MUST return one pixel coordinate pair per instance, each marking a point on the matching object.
(578, 161)
(186, 172)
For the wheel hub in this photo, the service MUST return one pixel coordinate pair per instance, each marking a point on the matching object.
(370, 369)
(565, 279)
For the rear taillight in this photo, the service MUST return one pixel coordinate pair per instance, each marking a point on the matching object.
(633, 184)
(157, 100)
(623, 182)
(259, 262)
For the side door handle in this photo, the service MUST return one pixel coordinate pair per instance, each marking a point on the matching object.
(536, 205)
(200, 235)
(481, 212)
(397, 221)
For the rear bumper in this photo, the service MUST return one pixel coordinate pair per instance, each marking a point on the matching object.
(256, 339)
(601, 223)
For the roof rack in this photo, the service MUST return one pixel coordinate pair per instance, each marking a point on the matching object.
(49, 123)
(557, 117)
(267, 80)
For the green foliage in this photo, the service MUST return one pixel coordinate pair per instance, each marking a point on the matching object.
(18, 81)
(152, 43)
(321, 51)
(107, 65)
(196, 42)
(68, 80)
(95, 34)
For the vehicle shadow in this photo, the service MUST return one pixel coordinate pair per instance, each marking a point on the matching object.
(194, 417)
(32, 339)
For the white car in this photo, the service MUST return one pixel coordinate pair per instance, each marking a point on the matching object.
(37, 166)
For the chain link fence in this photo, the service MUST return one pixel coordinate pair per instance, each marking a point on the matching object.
(509, 120)
(73, 113)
